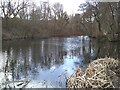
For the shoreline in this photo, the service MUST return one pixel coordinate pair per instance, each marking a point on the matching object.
(43, 37)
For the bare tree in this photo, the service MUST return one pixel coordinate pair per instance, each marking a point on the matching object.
(24, 13)
(86, 19)
(6, 8)
(58, 10)
(9, 7)
(46, 10)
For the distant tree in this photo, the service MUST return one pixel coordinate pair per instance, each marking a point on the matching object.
(99, 17)
(11, 8)
(23, 14)
(46, 10)
(86, 19)
(6, 8)
(58, 10)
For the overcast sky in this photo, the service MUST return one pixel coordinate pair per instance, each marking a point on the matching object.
(71, 6)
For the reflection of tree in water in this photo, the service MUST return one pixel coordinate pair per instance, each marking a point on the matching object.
(109, 49)
(88, 51)
(49, 55)
(97, 49)
(30, 57)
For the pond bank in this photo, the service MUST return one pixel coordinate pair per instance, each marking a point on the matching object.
(65, 34)
(73, 34)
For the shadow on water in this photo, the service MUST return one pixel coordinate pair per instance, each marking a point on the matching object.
(49, 59)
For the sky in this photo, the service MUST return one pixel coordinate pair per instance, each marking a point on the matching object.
(71, 6)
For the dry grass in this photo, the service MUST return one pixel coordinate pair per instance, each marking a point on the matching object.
(99, 74)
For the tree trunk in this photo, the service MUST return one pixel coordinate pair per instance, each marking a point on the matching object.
(118, 29)
(118, 20)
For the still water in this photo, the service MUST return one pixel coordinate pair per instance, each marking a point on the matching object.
(47, 62)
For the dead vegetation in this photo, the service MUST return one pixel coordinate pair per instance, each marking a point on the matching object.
(101, 73)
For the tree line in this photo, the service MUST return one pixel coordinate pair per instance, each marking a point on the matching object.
(22, 19)
(100, 19)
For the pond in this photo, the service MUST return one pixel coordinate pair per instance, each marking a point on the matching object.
(47, 62)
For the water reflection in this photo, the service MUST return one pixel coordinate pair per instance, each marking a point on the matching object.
(48, 59)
